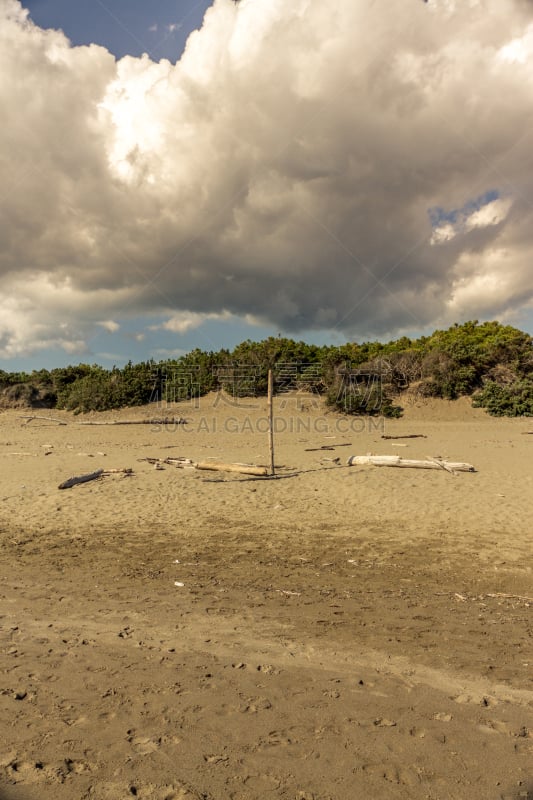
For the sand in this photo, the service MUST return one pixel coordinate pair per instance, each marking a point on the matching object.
(341, 632)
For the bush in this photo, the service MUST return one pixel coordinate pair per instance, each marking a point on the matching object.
(496, 360)
(361, 393)
(506, 400)
(98, 391)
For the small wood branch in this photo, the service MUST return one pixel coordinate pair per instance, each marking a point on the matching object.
(398, 461)
(46, 419)
(406, 436)
(155, 421)
(441, 464)
(120, 470)
(92, 476)
(522, 597)
(327, 447)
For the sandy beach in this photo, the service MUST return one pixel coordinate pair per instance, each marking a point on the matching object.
(339, 633)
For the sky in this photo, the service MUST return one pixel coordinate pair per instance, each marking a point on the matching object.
(183, 174)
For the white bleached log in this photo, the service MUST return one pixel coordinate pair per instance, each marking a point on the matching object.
(398, 461)
(245, 469)
(216, 466)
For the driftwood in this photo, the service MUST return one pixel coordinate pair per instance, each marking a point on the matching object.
(244, 469)
(327, 447)
(36, 416)
(182, 463)
(522, 597)
(398, 461)
(155, 421)
(120, 470)
(92, 476)
(216, 466)
(406, 436)
(270, 405)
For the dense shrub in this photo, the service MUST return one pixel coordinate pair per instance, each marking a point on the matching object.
(361, 392)
(506, 400)
(492, 361)
(98, 391)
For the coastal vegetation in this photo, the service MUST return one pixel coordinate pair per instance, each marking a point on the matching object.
(490, 362)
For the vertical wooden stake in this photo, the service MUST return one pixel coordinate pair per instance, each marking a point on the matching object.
(271, 420)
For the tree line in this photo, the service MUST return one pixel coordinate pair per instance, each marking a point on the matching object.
(491, 362)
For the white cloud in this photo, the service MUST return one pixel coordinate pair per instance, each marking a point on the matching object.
(109, 325)
(164, 353)
(281, 171)
(187, 321)
(490, 212)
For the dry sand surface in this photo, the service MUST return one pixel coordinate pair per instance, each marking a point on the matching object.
(340, 632)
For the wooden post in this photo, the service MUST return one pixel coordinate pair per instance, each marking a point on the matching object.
(271, 420)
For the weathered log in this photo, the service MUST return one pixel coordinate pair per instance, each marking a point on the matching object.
(155, 421)
(405, 436)
(177, 462)
(270, 405)
(219, 466)
(91, 476)
(215, 466)
(522, 597)
(398, 461)
(327, 447)
(46, 419)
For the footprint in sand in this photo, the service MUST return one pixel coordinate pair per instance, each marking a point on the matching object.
(254, 704)
(112, 791)
(383, 722)
(495, 726)
(21, 771)
(268, 669)
(143, 745)
(275, 739)
(479, 700)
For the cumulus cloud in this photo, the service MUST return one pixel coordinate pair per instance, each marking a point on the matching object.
(286, 170)
(185, 321)
(109, 325)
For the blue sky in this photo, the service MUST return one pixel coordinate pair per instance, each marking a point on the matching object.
(124, 27)
(209, 173)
